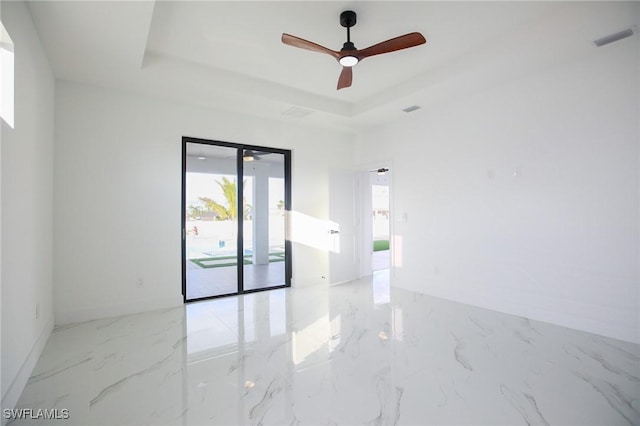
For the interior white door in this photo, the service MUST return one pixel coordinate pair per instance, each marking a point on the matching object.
(343, 265)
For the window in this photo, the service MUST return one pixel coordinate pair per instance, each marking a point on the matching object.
(6, 76)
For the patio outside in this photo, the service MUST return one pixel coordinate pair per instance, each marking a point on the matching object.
(212, 236)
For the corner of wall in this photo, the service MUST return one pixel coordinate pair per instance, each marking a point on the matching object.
(12, 393)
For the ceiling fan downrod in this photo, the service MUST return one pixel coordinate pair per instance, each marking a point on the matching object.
(348, 20)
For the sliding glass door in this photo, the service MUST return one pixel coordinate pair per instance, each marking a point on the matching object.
(235, 199)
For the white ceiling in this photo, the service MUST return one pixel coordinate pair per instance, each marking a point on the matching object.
(228, 54)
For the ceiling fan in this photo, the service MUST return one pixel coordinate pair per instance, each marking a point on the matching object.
(251, 155)
(349, 56)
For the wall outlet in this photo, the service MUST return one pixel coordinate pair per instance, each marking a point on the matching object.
(140, 283)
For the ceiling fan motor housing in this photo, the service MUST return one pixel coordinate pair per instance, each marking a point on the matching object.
(348, 46)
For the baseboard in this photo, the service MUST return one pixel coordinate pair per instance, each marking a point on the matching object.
(92, 313)
(12, 394)
(341, 282)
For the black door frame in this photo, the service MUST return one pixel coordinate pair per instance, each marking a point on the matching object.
(240, 196)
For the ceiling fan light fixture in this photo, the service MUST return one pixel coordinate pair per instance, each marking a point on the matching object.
(348, 61)
(248, 156)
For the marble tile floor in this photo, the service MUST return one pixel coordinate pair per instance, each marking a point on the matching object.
(380, 260)
(356, 353)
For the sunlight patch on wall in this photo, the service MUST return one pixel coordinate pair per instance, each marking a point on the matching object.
(313, 232)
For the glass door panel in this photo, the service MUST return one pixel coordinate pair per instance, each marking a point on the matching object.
(235, 199)
(264, 221)
(211, 221)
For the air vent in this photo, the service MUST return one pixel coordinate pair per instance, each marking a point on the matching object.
(411, 108)
(613, 37)
(298, 112)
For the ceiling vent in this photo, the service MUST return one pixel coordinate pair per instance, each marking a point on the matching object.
(614, 37)
(411, 108)
(298, 112)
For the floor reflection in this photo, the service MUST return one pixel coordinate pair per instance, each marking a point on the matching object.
(225, 324)
(381, 287)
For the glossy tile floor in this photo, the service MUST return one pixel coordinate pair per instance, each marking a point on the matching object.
(350, 354)
(380, 260)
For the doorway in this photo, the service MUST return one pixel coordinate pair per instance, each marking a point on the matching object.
(234, 222)
(380, 220)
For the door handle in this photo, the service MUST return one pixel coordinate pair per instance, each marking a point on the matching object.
(333, 231)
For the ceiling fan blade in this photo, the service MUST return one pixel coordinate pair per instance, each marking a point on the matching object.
(391, 45)
(346, 76)
(308, 45)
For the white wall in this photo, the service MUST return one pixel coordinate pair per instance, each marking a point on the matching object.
(118, 166)
(27, 205)
(2, 131)
(524, 198)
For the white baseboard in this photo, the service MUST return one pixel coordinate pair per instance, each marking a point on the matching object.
(92, 313)
(341, 282)
(12, 394)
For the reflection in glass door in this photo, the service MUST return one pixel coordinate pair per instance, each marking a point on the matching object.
(264, 226)
(234, 203)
